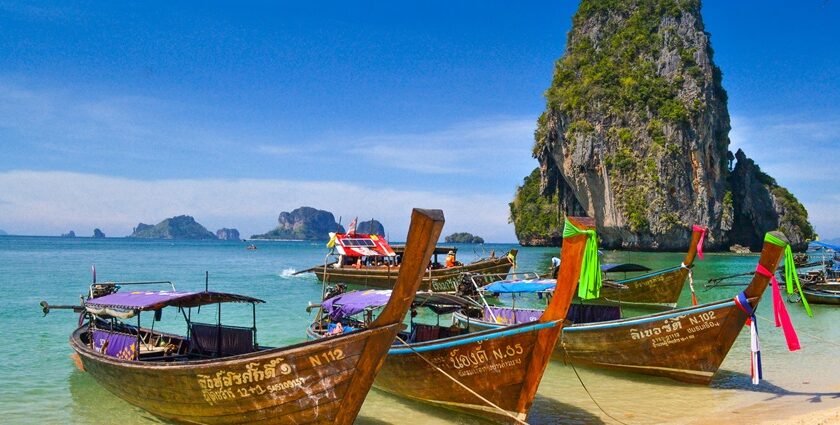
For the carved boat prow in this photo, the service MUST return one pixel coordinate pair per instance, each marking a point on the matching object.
(687, 344)
(493, 373)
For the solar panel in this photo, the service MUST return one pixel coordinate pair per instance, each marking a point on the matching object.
(357, 242)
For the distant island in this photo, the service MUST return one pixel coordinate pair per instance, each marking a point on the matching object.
(180, 227)
(3, 233)
(371, 227)
(463, 237)
(226, 234)
(98, 234)
(70, 234)
(304, 223)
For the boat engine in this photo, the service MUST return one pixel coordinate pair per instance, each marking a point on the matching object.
(333, 291)
(101, 289)
(466, 288)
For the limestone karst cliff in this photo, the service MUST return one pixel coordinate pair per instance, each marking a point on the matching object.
(304, 223)
(636, 135)
(371, 227)
(226, 234)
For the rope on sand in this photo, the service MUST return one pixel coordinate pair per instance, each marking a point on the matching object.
(489, 403)
(569, 362)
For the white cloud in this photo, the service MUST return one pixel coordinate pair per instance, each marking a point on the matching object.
(55, 202)
(480, 146)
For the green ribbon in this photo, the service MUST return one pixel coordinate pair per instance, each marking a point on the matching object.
(790, 270)
(589, 286)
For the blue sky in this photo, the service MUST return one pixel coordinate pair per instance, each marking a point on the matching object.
(113, 114)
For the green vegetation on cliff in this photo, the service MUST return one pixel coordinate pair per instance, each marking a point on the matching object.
(535, 217)
(796, 216)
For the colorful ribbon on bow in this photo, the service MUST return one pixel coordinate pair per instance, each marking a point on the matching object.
(790, 271)
(780, 313)
(702, 231)
(755, 350)
(690, 283)
(589, 285)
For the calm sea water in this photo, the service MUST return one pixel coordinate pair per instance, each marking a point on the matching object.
(39, 383)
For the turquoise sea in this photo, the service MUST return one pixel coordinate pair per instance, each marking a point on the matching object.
(39, 383)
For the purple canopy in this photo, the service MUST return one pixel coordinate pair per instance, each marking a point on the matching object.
(153, 300)
(346, 305)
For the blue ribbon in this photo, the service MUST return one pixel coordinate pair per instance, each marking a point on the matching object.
(755, 352)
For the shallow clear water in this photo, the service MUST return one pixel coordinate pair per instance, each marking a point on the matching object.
(41, 385)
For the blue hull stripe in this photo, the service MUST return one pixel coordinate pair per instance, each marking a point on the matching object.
(584, 327)
(821, 294)
(478, 337)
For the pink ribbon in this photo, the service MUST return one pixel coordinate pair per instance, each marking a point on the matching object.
(702, 231)
(779, 311)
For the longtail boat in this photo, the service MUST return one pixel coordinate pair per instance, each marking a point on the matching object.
(218, 374)
(660, 287)
(687, 344)
(368, 260)
(814, 295)
(492, 373)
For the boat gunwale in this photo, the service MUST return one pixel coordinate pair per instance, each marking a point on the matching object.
(619, 322)
(647, 275)
(469, 338)
(82, 348)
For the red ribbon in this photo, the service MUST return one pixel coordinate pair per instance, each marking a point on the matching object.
(779, 311)
(702, 231)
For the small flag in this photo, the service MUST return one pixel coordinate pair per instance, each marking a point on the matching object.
(351, 229)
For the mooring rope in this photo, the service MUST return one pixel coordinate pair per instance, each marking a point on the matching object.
(569, 362)
(489, 403)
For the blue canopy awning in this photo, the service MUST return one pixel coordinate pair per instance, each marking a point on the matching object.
(826, 245)
(517, 286)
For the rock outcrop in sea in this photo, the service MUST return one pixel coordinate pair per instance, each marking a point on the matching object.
(304, 223)
(226, 234)
(70, 234)
(180, 227)
(636, 135)
(463, 237)
(3, 233)
(98, 234)
(371, 227)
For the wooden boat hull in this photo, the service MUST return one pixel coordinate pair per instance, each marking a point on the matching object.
(815, 296)
(495, 364)
(437, 280)
(687, 345)
(658, 289)
(313, 382)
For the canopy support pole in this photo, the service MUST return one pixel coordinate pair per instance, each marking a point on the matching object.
(481, 295)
